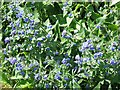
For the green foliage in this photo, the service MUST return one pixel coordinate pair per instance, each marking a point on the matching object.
(60, 44)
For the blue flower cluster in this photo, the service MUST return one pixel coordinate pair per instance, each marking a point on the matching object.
(53, 55)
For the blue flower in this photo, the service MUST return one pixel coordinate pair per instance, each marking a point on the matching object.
(11, 6)
(45, 77)
(86, 74)
(48, 35)
(43, 38)
(89, 41)
(70, 14)
(98, 47)
(22, 73)
(20, 14)
(30, 38)
(18, 24)
(32, 27)
(65, 4)
(98, 26)
(95, 56)
(59, 73)
(86, 59)
(7, 40)
(49, 27)
(37, 76)
(64, 33)
(31, 65)
(35, 33)
(31, 22)
(26, 19)
(4, 51)
(67, 36)
(112, 62)
(92, 47)
(99, 54)
(68, 59)
(98, 61)
(29, 15)
(35, 68)
(28, 31)
(65, 85)
(66, 78)
(112, 48)
(64, 61)
(11, 24)
(56, 53)
(22, 32)
(13, 60)
(38, 44)
(68, 64)
(66, 54)
(57, 77)
(48, 49)
(19, 66)
(85, 46)
(19, 32)
(47, 86)
(16, 9)
(13, 28)
(80, 61)
(77, 57)
(111, 11)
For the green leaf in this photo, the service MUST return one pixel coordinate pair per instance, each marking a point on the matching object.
(95, 15)
(114, 2)
(23, 84)
(98, 85)
(90, 8)
(113, 27)
(2, 1)
(76, 85)
(16, 77)
(69, 20)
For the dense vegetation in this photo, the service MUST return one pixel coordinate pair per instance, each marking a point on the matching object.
(60, 45)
